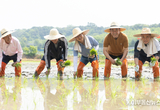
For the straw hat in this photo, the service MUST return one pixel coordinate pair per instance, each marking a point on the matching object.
(76, 32)
(114, 25)
(54, 34)
(4, 32)
(146, 31)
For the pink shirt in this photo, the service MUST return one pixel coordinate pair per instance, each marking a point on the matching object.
(11, 49)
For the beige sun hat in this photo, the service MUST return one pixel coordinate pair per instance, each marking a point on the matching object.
(146, 31)
(114, 25)
(54, 34)
(76, 32)
(4, 32)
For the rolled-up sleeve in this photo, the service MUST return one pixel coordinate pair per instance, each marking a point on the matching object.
(20, 51)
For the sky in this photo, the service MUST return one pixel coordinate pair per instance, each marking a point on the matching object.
(25, 14)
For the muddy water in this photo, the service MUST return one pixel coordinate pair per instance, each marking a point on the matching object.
(26, 93)
(79, 94)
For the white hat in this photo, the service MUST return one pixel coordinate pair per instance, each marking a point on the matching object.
(76, 32)
(114, 25)
(54, 34)
(146, 31)
(4, 33)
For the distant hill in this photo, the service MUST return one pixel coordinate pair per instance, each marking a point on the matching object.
(34, 36)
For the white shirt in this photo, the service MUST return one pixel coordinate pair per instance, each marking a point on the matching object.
(11, 49)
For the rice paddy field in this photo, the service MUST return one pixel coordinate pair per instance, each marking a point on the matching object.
(27, 93)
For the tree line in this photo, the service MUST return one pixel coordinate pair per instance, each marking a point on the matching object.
(35, 35)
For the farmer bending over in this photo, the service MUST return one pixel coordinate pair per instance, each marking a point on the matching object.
(115, 45)
(145, 48)
(56, 47)
(83, 44)
(10, 49)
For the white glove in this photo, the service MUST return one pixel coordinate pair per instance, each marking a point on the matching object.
(137, 68)
(152, 63)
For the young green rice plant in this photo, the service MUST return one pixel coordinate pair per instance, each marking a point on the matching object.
(25, 81)
(118, 61)
(153, 59)
(18, 65)
(14, 96)
(93, 52)
(67, 63)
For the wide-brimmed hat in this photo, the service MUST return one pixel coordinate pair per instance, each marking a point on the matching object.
(146, 31)
(114, 25)
(76, 32)
(4, 32)
(54, 34)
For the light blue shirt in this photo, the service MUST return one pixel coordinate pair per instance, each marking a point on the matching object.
(85, 52)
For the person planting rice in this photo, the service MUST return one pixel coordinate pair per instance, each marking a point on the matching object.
(56, 47)
(115, 45)
(147, 48)
(83, 44)
(10, 49)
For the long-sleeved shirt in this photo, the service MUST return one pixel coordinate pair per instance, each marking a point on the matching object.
(50, 50)
(85, 52)
(141, 53)
(11, 49)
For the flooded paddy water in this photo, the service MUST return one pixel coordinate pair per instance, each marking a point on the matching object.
(27, 93)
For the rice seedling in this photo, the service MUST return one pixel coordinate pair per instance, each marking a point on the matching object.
(67, 63)
(93, 52)
(153, 59)
(18, 65)
(118, 62)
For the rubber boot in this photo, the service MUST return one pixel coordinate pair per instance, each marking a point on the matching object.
(138, 74)
(107, 69)
(95, 66)
(156, 70)
(39, 68)
(2, 72)
(80, 69)
(124, 68)
(60, 70)
(18, 71)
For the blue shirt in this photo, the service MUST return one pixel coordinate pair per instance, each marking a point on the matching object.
(85, 52)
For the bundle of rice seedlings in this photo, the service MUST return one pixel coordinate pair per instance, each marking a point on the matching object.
(67, 63)
(93, 52)
(18, 65)
(118, 61)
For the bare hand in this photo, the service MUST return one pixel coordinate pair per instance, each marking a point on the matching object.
(113, 61)
(157, 58)
(121, 60)
(14, 64)
(92, 56)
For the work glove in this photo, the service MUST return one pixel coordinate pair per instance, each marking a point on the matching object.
(152, 63)
(61, 64)
(137, 68)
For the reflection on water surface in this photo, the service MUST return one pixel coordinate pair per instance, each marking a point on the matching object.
(79, 94)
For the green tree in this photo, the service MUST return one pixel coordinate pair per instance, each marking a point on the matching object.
(26, 50)
(32, 51)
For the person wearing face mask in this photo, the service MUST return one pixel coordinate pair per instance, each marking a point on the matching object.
(10, 49)
(115, 45)
(83, 44)
(145, 48)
